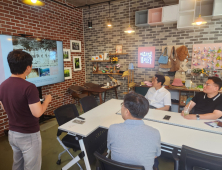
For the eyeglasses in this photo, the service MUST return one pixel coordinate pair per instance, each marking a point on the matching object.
(122, 104)
(209, 84)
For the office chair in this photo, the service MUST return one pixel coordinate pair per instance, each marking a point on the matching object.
(108, 164)
(193, 159)
(64, 114)
(88, 103)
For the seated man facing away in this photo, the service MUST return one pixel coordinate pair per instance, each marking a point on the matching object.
(159, 98)
(206, 104)
(133, 142)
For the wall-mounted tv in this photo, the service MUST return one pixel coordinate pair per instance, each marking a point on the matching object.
(47, 65)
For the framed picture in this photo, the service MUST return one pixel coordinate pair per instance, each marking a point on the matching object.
(77, 64)
(75, 46)
(119, 49)
(66, 55)
(106, 56)
(100, 57)
(68, 73)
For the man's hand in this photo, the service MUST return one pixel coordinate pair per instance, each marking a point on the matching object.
(148, 83)
(48, 98)
(189, 116)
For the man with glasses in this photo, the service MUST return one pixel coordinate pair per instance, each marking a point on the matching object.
(133, 142)
(206, 104)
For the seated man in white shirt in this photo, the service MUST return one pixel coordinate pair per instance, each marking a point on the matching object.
(158, 97)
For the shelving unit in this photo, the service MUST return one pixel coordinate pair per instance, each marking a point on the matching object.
(217, 12)
(206, 9)
(186, 14)
(169, 14)
(186, 5)
(155, 16)
(115, 54)
(185, 20)
(141, 18)
(108, 73)
(100, 61)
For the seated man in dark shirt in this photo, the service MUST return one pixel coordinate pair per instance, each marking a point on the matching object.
(206, 104)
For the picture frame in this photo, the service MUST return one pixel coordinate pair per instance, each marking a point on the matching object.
(66, 55)
(119, 49)
(77, 63)
(106, 56)
(68, 73)
(75, 46)
(101, 57)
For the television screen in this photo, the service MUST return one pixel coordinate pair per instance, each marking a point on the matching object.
(47, 64)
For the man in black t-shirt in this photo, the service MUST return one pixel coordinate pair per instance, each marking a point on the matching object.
(20, 99)
(206, 104)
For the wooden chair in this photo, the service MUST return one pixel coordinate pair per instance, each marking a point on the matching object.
(76, 92)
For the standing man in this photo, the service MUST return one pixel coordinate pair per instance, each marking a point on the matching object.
(20, 99)
(158, 97)
(206, 104)
(133, 142)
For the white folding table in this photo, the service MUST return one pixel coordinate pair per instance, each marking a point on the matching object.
(171, 135)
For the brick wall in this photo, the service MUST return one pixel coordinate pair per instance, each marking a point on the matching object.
(100, 39)
(55, 22)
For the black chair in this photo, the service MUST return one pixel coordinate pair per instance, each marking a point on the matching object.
(64, 114)
(108, 164)
(88, 103)
(193, 159)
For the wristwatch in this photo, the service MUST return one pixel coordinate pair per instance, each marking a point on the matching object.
(198, 117)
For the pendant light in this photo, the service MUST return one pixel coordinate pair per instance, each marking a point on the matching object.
(129, 29)
(90, 21)
(33, 2)
(199, 20)
(109, 24)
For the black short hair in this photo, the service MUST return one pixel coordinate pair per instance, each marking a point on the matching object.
(18, 61)
(160, 78)
(137, 104)
(216, 81)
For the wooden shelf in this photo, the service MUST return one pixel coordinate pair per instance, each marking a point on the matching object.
(99, 61)
(109, 73)
(155, 16)
(118, 54)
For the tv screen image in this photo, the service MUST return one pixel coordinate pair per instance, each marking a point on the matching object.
(47, 65)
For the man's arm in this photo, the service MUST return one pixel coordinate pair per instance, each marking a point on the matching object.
(209, 116)
(2, 106)
(38, 109)
(191, 104)
(166, 108)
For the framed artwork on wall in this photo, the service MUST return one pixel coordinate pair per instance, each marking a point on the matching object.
(66, 55)
(75, 46)
(77, 64)
(106, 56)
(146, 57)
(68, 73)
(119, 49)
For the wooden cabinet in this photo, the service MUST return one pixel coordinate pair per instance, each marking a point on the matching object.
(217, 9)
(170, 13)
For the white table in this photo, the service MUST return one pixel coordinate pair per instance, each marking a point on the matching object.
(105, 115)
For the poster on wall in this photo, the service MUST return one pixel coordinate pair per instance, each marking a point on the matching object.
(146, 57)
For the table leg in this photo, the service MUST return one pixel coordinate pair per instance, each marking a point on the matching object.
(116, 93)
(100, 98)
(104, 96)
(86, 160)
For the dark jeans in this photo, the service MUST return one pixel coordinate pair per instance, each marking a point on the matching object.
(156, 163)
